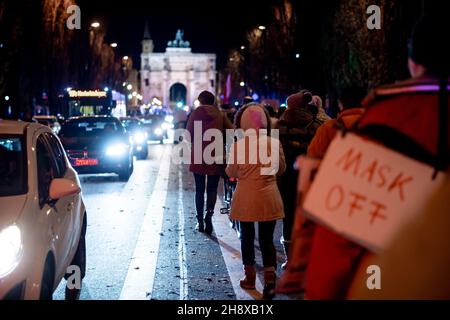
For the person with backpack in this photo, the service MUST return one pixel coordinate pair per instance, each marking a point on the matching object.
(410, 117)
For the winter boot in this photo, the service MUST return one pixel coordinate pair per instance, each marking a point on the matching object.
(200, 225)
(286, 246)
(248, 283)
(270, 279)
(208, 222)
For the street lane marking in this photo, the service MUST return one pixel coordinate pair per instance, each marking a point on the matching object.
(230, 245)
(182, 240)
(141, 272)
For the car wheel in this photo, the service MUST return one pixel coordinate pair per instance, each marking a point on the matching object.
(79, 260)
(47, 283)
(125, 173)
(143, 154)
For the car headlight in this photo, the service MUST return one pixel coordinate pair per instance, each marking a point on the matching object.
(158, 131)
(10, 249)
(139, 138)
(116, 149)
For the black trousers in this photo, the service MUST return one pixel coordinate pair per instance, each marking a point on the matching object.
(265, 235)
(288, 186)
(210, 184)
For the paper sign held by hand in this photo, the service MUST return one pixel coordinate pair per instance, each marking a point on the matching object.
(367, 192)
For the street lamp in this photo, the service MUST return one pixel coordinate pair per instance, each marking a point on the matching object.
(261, 27)
(95, 24)
(125, 58)
(114, 45)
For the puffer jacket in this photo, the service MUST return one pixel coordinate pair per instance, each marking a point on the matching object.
(326, 133)
(403, 117)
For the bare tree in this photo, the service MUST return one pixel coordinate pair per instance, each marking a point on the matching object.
(41, 56)
(271, 51)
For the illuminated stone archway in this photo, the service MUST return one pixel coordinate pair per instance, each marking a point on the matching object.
(177, 65)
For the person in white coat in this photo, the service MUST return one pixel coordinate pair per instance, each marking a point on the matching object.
(257, 198)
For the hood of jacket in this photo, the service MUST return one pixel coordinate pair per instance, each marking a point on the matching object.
(254, 117)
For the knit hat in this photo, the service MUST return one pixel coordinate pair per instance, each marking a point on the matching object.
(254, 117)
(299, 100)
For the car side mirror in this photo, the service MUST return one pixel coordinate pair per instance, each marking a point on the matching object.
(60, 188)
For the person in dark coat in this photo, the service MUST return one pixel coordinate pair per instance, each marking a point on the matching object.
(206, 176)
(297, 127)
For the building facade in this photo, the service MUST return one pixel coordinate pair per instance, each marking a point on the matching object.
(177, 75)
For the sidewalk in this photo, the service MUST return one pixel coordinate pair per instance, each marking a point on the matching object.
(231, 252)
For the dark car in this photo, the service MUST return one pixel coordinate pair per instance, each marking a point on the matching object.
(156, 128)
(138, 136)
(98, 144)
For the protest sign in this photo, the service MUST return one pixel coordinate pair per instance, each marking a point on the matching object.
(367, 192)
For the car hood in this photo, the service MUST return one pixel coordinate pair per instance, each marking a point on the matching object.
(10, 209)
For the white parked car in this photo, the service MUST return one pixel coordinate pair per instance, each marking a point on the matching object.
(42, 214)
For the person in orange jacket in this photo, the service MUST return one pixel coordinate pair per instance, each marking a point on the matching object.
(403, 117)
(350, 101)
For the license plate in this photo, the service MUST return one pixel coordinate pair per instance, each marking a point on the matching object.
(86, 162)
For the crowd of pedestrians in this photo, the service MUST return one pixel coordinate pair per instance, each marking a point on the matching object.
(410, 118)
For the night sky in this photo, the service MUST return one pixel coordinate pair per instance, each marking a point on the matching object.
(210, 26)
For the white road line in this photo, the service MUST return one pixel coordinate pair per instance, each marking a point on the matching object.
(182, 240)
(230, 246)
(141, 273)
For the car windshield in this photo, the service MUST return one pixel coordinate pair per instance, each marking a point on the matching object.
(131, 124)
(91, 127)
(12, 166)
(45, 122)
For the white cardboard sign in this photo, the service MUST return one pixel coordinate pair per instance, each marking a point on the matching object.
(367, 192)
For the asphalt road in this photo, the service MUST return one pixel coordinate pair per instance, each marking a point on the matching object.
(141, 242)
